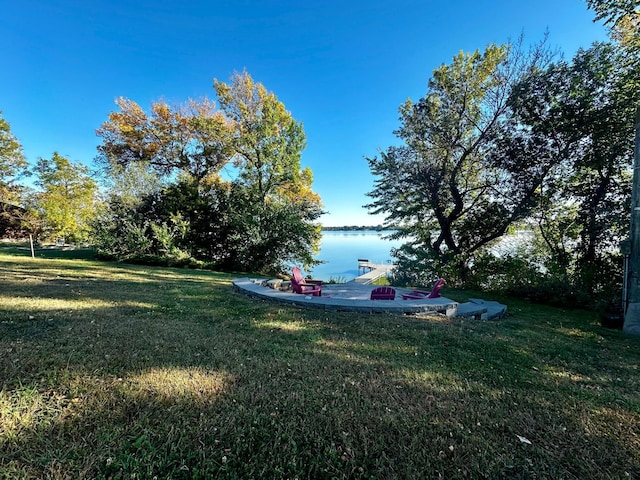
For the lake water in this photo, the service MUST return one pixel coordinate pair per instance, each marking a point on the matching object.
(342, 249)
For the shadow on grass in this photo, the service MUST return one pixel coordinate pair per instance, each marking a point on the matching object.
(69, 252)
(127, 370)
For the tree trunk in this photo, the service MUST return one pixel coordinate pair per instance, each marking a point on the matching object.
(632, 315)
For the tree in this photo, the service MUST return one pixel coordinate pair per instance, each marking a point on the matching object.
(12, 162)
(260, 220)
(614, 11)
(132, 183)
(67, 200)
(278, 205)
(142, 156)
(623, 16)
(577, 113)
(194, 138)
(268, 141)
(445, 189)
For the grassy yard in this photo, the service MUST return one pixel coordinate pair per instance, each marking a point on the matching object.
(119, 371)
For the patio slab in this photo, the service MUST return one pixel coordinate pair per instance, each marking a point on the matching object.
(350, 297)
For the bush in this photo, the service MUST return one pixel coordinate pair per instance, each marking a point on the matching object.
(525, 276)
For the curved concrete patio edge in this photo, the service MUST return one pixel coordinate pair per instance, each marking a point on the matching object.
(399, 306)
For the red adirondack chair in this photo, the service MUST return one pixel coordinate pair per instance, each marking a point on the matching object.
(305, 286)
(420, 294)
(383, 293)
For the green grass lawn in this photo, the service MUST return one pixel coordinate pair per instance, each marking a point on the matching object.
(120, 371)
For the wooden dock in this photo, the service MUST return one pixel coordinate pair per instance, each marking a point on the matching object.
(371, 271)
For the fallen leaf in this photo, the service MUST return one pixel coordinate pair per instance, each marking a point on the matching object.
(524, 440)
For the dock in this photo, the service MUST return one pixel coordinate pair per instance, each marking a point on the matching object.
(371, 271)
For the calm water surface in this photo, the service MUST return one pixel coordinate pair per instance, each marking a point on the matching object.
(342, 249)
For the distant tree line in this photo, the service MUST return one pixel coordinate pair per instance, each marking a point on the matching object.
(194, 184)
(353, 228)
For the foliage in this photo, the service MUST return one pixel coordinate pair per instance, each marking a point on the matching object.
(278, 206)
(178, 225)
(131, 183)
(67, 201)
(194, 138)
(268, 140)
(578, 114)
(270, 237)
(484, 150)
(263, 219)
(123, 371)
(12, 163)
(522, 273)
(17, 222)
(446, 189)
(18, 217)
(623, 18)
(615, 12)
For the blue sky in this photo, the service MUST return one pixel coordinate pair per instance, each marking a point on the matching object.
(342, 68)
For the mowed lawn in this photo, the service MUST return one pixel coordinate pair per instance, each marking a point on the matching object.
(120, 371)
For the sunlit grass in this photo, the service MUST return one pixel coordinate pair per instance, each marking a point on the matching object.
(282, 326)
(34, 305)
(20, 409)
(186, 384)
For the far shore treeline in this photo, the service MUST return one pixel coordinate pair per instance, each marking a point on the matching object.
(510, 137)
(355, 228)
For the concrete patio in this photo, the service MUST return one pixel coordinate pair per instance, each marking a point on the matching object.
(354, 297)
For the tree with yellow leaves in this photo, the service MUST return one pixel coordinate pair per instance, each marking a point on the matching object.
(263, 219)
(279, 207)
(194, 138)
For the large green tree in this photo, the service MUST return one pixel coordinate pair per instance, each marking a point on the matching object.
(623, 17)
(278, 207)
(268, 141)
(160, 168)
(445, 189)
(67, 199)
(578, 114)
(258, 216)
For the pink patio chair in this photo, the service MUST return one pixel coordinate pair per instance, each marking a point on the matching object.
(420, 294)
(304, 286)
(383, 293)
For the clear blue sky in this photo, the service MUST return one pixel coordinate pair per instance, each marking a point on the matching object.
(341, 67)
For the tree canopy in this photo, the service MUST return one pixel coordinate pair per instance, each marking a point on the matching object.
(12, 162)
(497, 143)
(279, 206)
(194, 138)
(258, 215)
(584, 110)
(67, 201)
(446, 188)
